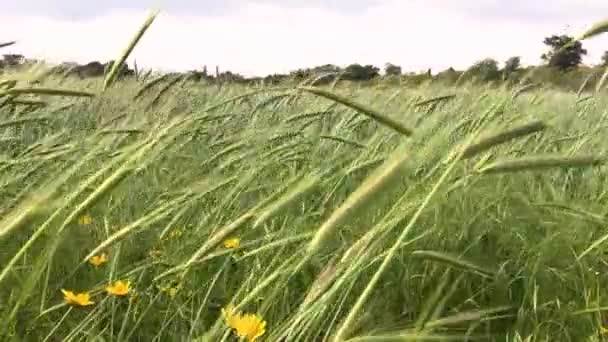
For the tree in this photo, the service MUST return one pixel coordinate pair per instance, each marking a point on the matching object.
(357, 72)
(392, 70)
(13, 60)
(323, 74)
(325, 69)
(512, 65)
(486, 70)
(300, 74)
(92, 69)
(605, 59)
(122, 72)
(450, 75)
(229, 77)
(564, 53)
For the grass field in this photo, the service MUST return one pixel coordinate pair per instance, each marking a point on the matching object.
(180, 211)
(486, 221)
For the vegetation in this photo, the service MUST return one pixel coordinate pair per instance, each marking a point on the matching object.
(486, 70)
(562, 70)
(392, 70)
(512, 66)
(170, 209)
(565, 53)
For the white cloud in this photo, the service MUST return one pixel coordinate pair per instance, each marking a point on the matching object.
(264, 38)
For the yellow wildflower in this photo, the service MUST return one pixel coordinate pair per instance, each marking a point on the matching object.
(85, 220)
(98, 260)
(77, 299)
(230, 315)
(232, 243)
(250, 326)
(119, 288)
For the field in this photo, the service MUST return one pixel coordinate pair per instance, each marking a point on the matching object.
(171, 210)
(384, 214)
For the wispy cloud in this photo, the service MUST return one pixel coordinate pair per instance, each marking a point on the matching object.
(264, 37)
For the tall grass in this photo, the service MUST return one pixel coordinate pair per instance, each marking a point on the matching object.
(336, 214)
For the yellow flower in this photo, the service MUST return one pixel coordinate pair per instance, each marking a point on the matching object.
(228, 311)
(119, 288)
(85, 220)
(603, 331)
(77, 299)
(232, 243)
(250, 326)
(98, 260)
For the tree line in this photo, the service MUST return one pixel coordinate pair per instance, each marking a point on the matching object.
(564, 55)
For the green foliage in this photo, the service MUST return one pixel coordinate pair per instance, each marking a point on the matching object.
(13, 60)
(448, 76)
(357, 72)
(486, 70)
(565, 56)
(512, 65)
(392, 70)
(491, 253)
(604, 61)
(565, 53)
(570, 80)
(485, 220)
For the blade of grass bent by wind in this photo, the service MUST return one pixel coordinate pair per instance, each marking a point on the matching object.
(380, 118)
(361, 197)
(348, 323)
(540, 162)
(118, 63)
(455, 261)
(596, 29)
(46, 91)
(7, 44)
(502, 137)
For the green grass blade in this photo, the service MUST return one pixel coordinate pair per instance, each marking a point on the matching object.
(380, 118)
(118, 63)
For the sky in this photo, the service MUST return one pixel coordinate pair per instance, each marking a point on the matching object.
(260, 37)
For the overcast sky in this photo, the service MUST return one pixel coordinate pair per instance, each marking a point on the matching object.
(258, 37)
